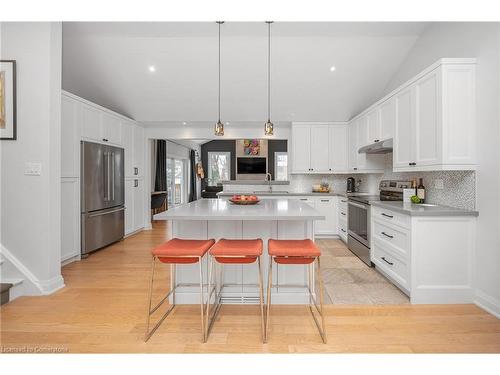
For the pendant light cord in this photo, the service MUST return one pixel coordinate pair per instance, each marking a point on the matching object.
(218, 102)
(269, 70)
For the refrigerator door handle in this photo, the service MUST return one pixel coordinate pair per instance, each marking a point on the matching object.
(106, 212)
(105, 164)
(113, 176)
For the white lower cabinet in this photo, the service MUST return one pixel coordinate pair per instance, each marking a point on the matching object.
(70, 218)
(329, 208)
(342, 219)
(427, 257)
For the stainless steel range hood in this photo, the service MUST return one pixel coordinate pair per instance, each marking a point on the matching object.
(381, 147)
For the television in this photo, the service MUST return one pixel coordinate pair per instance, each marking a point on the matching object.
(254, 165)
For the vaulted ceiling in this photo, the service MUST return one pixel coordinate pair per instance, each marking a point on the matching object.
(108, 63)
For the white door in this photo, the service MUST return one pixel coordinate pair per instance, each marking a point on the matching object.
(428, 139)
(301, 148)
(91, 123)
(138, 204)
(353, 148)
(373, 118)
(403, 155)
(338, 148)
(129, 206)
(320, 138)
(387, 118)
(128, 145)
(138, 151)
(112, 129)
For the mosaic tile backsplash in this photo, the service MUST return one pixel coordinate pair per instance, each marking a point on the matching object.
(459, 187)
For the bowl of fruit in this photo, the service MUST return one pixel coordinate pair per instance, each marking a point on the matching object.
(244, 199)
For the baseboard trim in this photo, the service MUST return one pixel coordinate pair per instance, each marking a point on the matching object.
(36, 286)
(488, 303)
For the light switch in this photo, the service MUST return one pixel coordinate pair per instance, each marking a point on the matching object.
(438, 184)
(32, 169)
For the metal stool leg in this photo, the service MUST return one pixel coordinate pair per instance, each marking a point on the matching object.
(202, 299)
(261, 301)
(149, 333)
(321, 327)
(209, 320)
(268, 304)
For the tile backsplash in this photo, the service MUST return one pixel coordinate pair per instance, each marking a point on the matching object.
(459, 187)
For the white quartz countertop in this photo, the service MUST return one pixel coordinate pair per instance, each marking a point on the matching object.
(220, 209)
(281, 194)
(423, 210)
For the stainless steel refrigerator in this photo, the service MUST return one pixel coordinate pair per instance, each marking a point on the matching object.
(102, 195)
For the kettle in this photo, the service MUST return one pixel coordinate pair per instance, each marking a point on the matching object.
(351, 185)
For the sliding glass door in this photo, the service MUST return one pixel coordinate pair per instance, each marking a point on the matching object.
(177, 181)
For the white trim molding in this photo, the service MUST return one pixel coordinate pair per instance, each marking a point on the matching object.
(33, 285)
(487, 302)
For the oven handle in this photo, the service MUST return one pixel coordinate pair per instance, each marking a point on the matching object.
(358, 205)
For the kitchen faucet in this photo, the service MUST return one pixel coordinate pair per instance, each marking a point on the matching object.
(268, 179)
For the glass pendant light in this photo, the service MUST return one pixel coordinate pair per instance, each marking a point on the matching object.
(219, 126)
(269, 126)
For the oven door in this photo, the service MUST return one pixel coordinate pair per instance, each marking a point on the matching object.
(359, 222)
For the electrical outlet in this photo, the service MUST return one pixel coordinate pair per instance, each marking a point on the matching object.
(32, 169)
(438, 184)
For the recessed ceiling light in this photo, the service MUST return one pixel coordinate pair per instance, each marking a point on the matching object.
(152, 68)
(184, 123)
(227, 123)
(332, 69)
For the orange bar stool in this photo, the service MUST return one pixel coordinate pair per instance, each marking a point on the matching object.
(298, 252)
(174, 252)
(232, 252)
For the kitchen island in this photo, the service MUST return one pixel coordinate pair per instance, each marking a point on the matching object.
(219, 218)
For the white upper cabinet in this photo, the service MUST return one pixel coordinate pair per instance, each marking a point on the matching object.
(338, 148)
(373, 118)
(435, 123)
(319, 148)
(387, 118)
(128, 145)
(301, 148)
(353, 145)
(404, 134)
(363, 131)
(91, 122)
(111, 129)
(320, 139)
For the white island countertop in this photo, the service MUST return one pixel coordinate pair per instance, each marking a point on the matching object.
(219, 209)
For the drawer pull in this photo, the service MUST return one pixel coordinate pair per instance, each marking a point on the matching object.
(343, 230)
(303, 199)
(389, 216)
(342, 213)
(385, 260)
(343, 201)
(387, 235)
(325, 200)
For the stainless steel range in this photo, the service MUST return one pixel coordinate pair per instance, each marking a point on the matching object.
(358, 208)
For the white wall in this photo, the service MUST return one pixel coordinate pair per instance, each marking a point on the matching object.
(30, 205)
(480, 40)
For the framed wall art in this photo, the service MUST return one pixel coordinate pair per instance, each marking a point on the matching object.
(8, 116)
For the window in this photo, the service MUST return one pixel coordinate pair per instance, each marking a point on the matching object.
(281, 166)
(177, 172)
(219, 167)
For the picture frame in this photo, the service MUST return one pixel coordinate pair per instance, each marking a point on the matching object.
(8, 100)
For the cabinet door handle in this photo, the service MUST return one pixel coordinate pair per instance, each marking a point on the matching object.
(325, 200)
(387, 235)
(303, 199)
(412, 163)
(385, 260)
(136, 183)
(376, 140)
(389, 216)
(342, 229)
(329, 169)
(355, 168)
(136, 171)
(104, 140)
(343, 201)
(342, 213)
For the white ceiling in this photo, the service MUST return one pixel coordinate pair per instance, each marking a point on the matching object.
(108, 62)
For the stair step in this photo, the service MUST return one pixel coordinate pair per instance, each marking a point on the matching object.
(5, 287)
(14, 282)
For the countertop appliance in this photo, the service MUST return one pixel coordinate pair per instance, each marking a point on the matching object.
(351, 185)
(358, 209)
(102, 196)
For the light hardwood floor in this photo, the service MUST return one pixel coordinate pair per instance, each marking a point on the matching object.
(102, 310)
